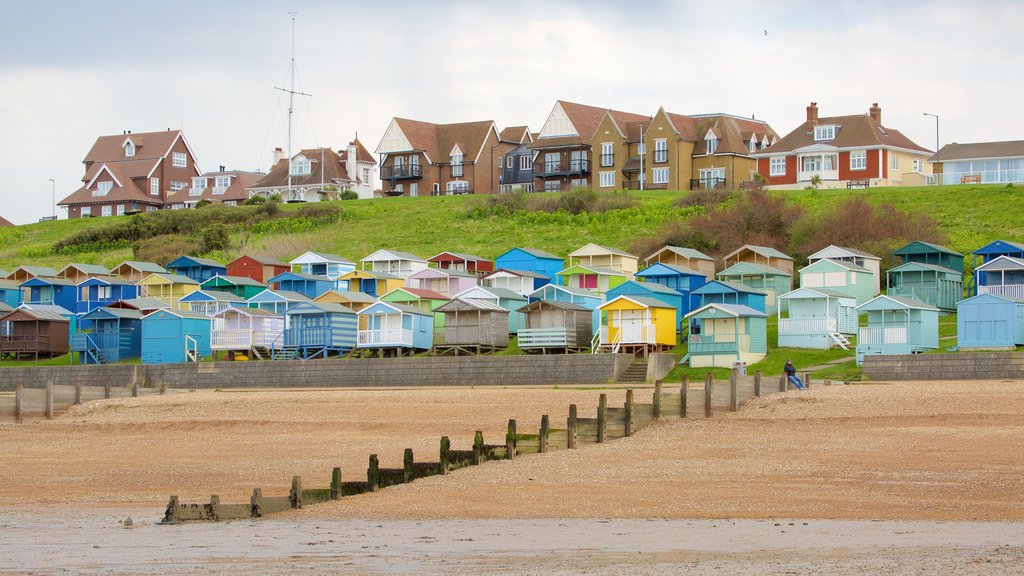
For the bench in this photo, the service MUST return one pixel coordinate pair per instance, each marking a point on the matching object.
(970, 179)
(859, 183)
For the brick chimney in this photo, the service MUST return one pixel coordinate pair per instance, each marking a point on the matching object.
(278, 155)
(875, 112)
(812, 113)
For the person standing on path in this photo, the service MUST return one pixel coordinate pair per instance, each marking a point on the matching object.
(791, 375)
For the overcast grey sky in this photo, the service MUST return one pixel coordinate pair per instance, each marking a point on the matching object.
(72, 71)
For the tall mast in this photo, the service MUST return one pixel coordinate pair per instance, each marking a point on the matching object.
(291, 103)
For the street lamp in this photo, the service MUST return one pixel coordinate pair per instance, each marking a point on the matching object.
(936, 116)
(640, 151)
(53, 197)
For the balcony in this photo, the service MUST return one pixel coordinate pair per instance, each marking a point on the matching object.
(393, 338)
(806, 325)
(882, 335)
(807, 175)
(629, 334)
(546, 337)
(401, 172)
(560, 168)
(707, 183)
(1009, 290)
(714, 344)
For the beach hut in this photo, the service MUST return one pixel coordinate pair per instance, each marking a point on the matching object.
(319, 330)
(681, 279)
(258, 268)
(98, 292)
(308, 285)
(52, 291)
(596, 256)
(939, 286)
(372, 283)
(762, 277)
(722, 292)
(686, 258)
(210, 302)
(277, 301)
(79, 272)
(471, 327)
(10, 293)
(928, 253)
(870, 262)
(174, 336)
(354, 301)
(597, 280)
(425, 301)
(989, 321)
(585, 298)
(506, 299)
(241, 286)
(24, 273)
(531, 260)
(167, 288)
(401, 264)
(839, 276)
(474, 265)
(144, 305)
(764, 255)
(556, 327)
(636, 325)
(816, 318)
(727, 336)
(34, 332)
(522, 282)
(250, 331)
(322, 264)
(396, 329)
(897, 326)
(196, 268)
(445, 282)
(651, 290)
(998, 248)
(134, 271)
(1003, 275)
(114, 335)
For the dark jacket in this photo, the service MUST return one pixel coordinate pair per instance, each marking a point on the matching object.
(790, 369)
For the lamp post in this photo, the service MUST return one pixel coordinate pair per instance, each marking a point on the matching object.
(640, 152)
(936, 116)
(53, 197)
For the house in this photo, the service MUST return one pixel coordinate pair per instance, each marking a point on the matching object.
(372, 283)
(636, 325)
(445, 282)
(684, 257)
(506, 299)
(31, 332)
(763, 255)
(556, 327)
(471, 327)
(10, 293)
(5, 222)
(198, 269)
(228, 187)
(426, 301)
(115, 335)
(462, 263)
(723, 155)
(316, 174)
(259, 268)
(522, 282)
(277, 301)
(531, 260)
(989, 321)
(1003, 275)
(51, 291)
(175, 336)
(844, 151)
(396, 329)
(652, 290)
(319, 330)
(167, 288)
(135, 271)
(897, 326)
(928, 253)
(726, 335)
(79, 272)
(354, 301)
(930, 273)
(249, 331)
(515, 167)
(595, 256)
(722, 292)
(241, 286)
(210, 302)
(308, 285)
(578, 296)
(678, 278)
(425, 159)
(593, 278)
(98, 292)
(771, 281)
(986, 162)
(401, 264)
(322, 264)
(852, 255)
(816, 318)
(129, 173)
(23, 273)
(839, 276)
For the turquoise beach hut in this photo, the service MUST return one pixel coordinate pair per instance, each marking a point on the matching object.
(897, 326)
(175, 336)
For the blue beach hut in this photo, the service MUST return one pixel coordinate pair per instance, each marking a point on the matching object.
(531, 259)
(198, 269)
(897, 326)
(319, 330)
(115, 335)
(308, 285)
(396, 328)
(175, 336)
(98, 292)
(990, 321)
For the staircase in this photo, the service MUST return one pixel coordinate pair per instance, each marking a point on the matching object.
(283, 354)
(636, 372)
(840, 340)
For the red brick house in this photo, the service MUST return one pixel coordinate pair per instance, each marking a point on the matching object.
(225, 186)
(317, 174)
(130, 173)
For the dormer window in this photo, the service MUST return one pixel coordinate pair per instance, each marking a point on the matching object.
(456, 156)
(712, 144)
(103, 188)
(301, 166)
(129, 149)
(824, 133)
(752, 143)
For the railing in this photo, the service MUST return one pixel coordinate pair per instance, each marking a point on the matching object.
(231, 339)
(987, 176)
(191, 349)
(556, 167)
(1010, 290)
(607, 159)
(465, 335)
(630, 334)
(390, 337)
(660, 156)
(707, 183)
(922, 293)
(24, 343)
(806, 325)
(545, 337)
(635, 185)
(882, 335)
(713, 344)
(806, 175)
(401, 172)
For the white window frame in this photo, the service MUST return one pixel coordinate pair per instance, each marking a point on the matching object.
(552, 186)
(457, 169)
(457, 187)
(607, 151)
(120, 209)
(221, 184)
(918, 165)
(607, 179)
(154, 186)
(777, 166)
(106, 210)
(659, 176)
(85, 211)
(414, 189)
(859, 160)
(824, 132)
(176, 185)
(129, 149)
(894, 161)
(399, 188)
(526, 162)
(301, 166)
(712, 145)
(179, 160)
(661, 145)
(103, 188)
(578, 183)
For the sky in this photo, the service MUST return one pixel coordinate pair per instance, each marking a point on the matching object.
(73, 71)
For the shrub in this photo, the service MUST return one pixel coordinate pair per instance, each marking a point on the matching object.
(348, 195)
(215, 237)
(255, 201)
(163, 249)
(704, 197)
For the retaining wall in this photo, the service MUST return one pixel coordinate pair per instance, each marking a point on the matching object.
(963, 366)
(422, 371)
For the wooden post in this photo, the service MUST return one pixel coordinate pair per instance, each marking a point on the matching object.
(757, 383)
(807, 381)
(709, 386)
(446, 445)
(135, 390)
(163, 388)
(409, 474)
(372, 474)
(602, 417)
(510, 441)
(734, 394)
(295, 495)
(783, 383)
(19, 390)
(570, 427)
(336, 483)
(657, 399)
(106, 390)
(78, 392)
(629, 413)
(545, 428)
(478, 447)
(49, 400)
(256, 503)
(171, 513)
(684, 396)
(214, 508)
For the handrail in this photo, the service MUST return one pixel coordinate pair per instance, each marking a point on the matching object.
(191, 355)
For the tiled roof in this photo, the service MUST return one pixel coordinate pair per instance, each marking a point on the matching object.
(148, 146)
(362, 154)
(518, 134)
(438, 140)
(730, 132)
(1007, 149)
(240, 182)
(423, 293)
(333, 170)
(853, 131)
(5, 222)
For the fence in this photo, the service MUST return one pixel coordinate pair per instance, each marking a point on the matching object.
(610, 423)
(53, 399)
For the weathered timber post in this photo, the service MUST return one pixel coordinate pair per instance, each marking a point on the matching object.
(510, 441)
(709, 386)
(807, 381)
(478, 448)
(446, 445)
(135, 390)
(684, 393)
(602, 417)
(372, 473)
(336, 483)
(78, 392)
(570, 426)
(106, 390)
(19, 390)
(628, 424)
(295, 495)
(256, 503)
(734, 393)
(49, 400)
(657, 399)
(163, 388)
(171, 513)
(757, 383)
(214, 508)
(545, 427)
(783, 383)
(408, 473)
